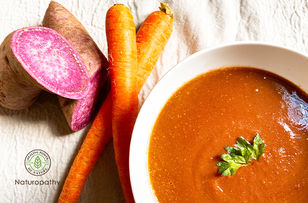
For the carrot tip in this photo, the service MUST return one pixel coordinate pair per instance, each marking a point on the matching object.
(118, 4)
(166, 9)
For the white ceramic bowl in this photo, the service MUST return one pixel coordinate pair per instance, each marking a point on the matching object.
(287, 63)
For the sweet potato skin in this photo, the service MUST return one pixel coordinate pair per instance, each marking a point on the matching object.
(60, 19)
(64, 22)
(17, 88)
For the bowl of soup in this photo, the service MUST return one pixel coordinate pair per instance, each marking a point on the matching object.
(207, 102)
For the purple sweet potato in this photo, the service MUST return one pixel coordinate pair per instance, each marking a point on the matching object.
(78, 113)
(38, 58)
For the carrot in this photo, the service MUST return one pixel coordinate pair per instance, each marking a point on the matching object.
(152, 37)
(102, 123)
(122, 55)
(88, 154)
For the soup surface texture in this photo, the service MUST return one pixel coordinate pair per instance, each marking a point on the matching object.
(211, 112)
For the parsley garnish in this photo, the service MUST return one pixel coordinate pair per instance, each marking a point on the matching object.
(240, 155)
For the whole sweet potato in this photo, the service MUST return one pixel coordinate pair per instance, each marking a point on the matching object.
(38, 58)
(78, 113)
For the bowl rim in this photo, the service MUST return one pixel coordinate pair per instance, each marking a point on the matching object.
(230, 44)
(132, 159)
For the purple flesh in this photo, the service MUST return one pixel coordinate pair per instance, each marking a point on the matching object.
(86, 106)
(51, 60)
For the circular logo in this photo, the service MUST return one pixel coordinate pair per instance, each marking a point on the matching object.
(37, 162)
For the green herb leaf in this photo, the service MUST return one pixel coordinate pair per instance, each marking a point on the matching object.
(228, 168)
(246, 148)
(233, 150)
(258, 146)
(240, 155)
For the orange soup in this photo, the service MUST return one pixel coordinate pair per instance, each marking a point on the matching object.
(211, 112)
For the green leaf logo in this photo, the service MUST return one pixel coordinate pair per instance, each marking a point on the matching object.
(37, 162)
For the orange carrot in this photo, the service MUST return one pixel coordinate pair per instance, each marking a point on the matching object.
(152, 37)
(88, 154)
(149, 47)
(122, 55)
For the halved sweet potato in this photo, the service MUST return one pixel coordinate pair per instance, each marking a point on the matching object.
(78, 113)
(38, 58)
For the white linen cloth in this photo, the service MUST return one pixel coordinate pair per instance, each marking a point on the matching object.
(198, 24)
